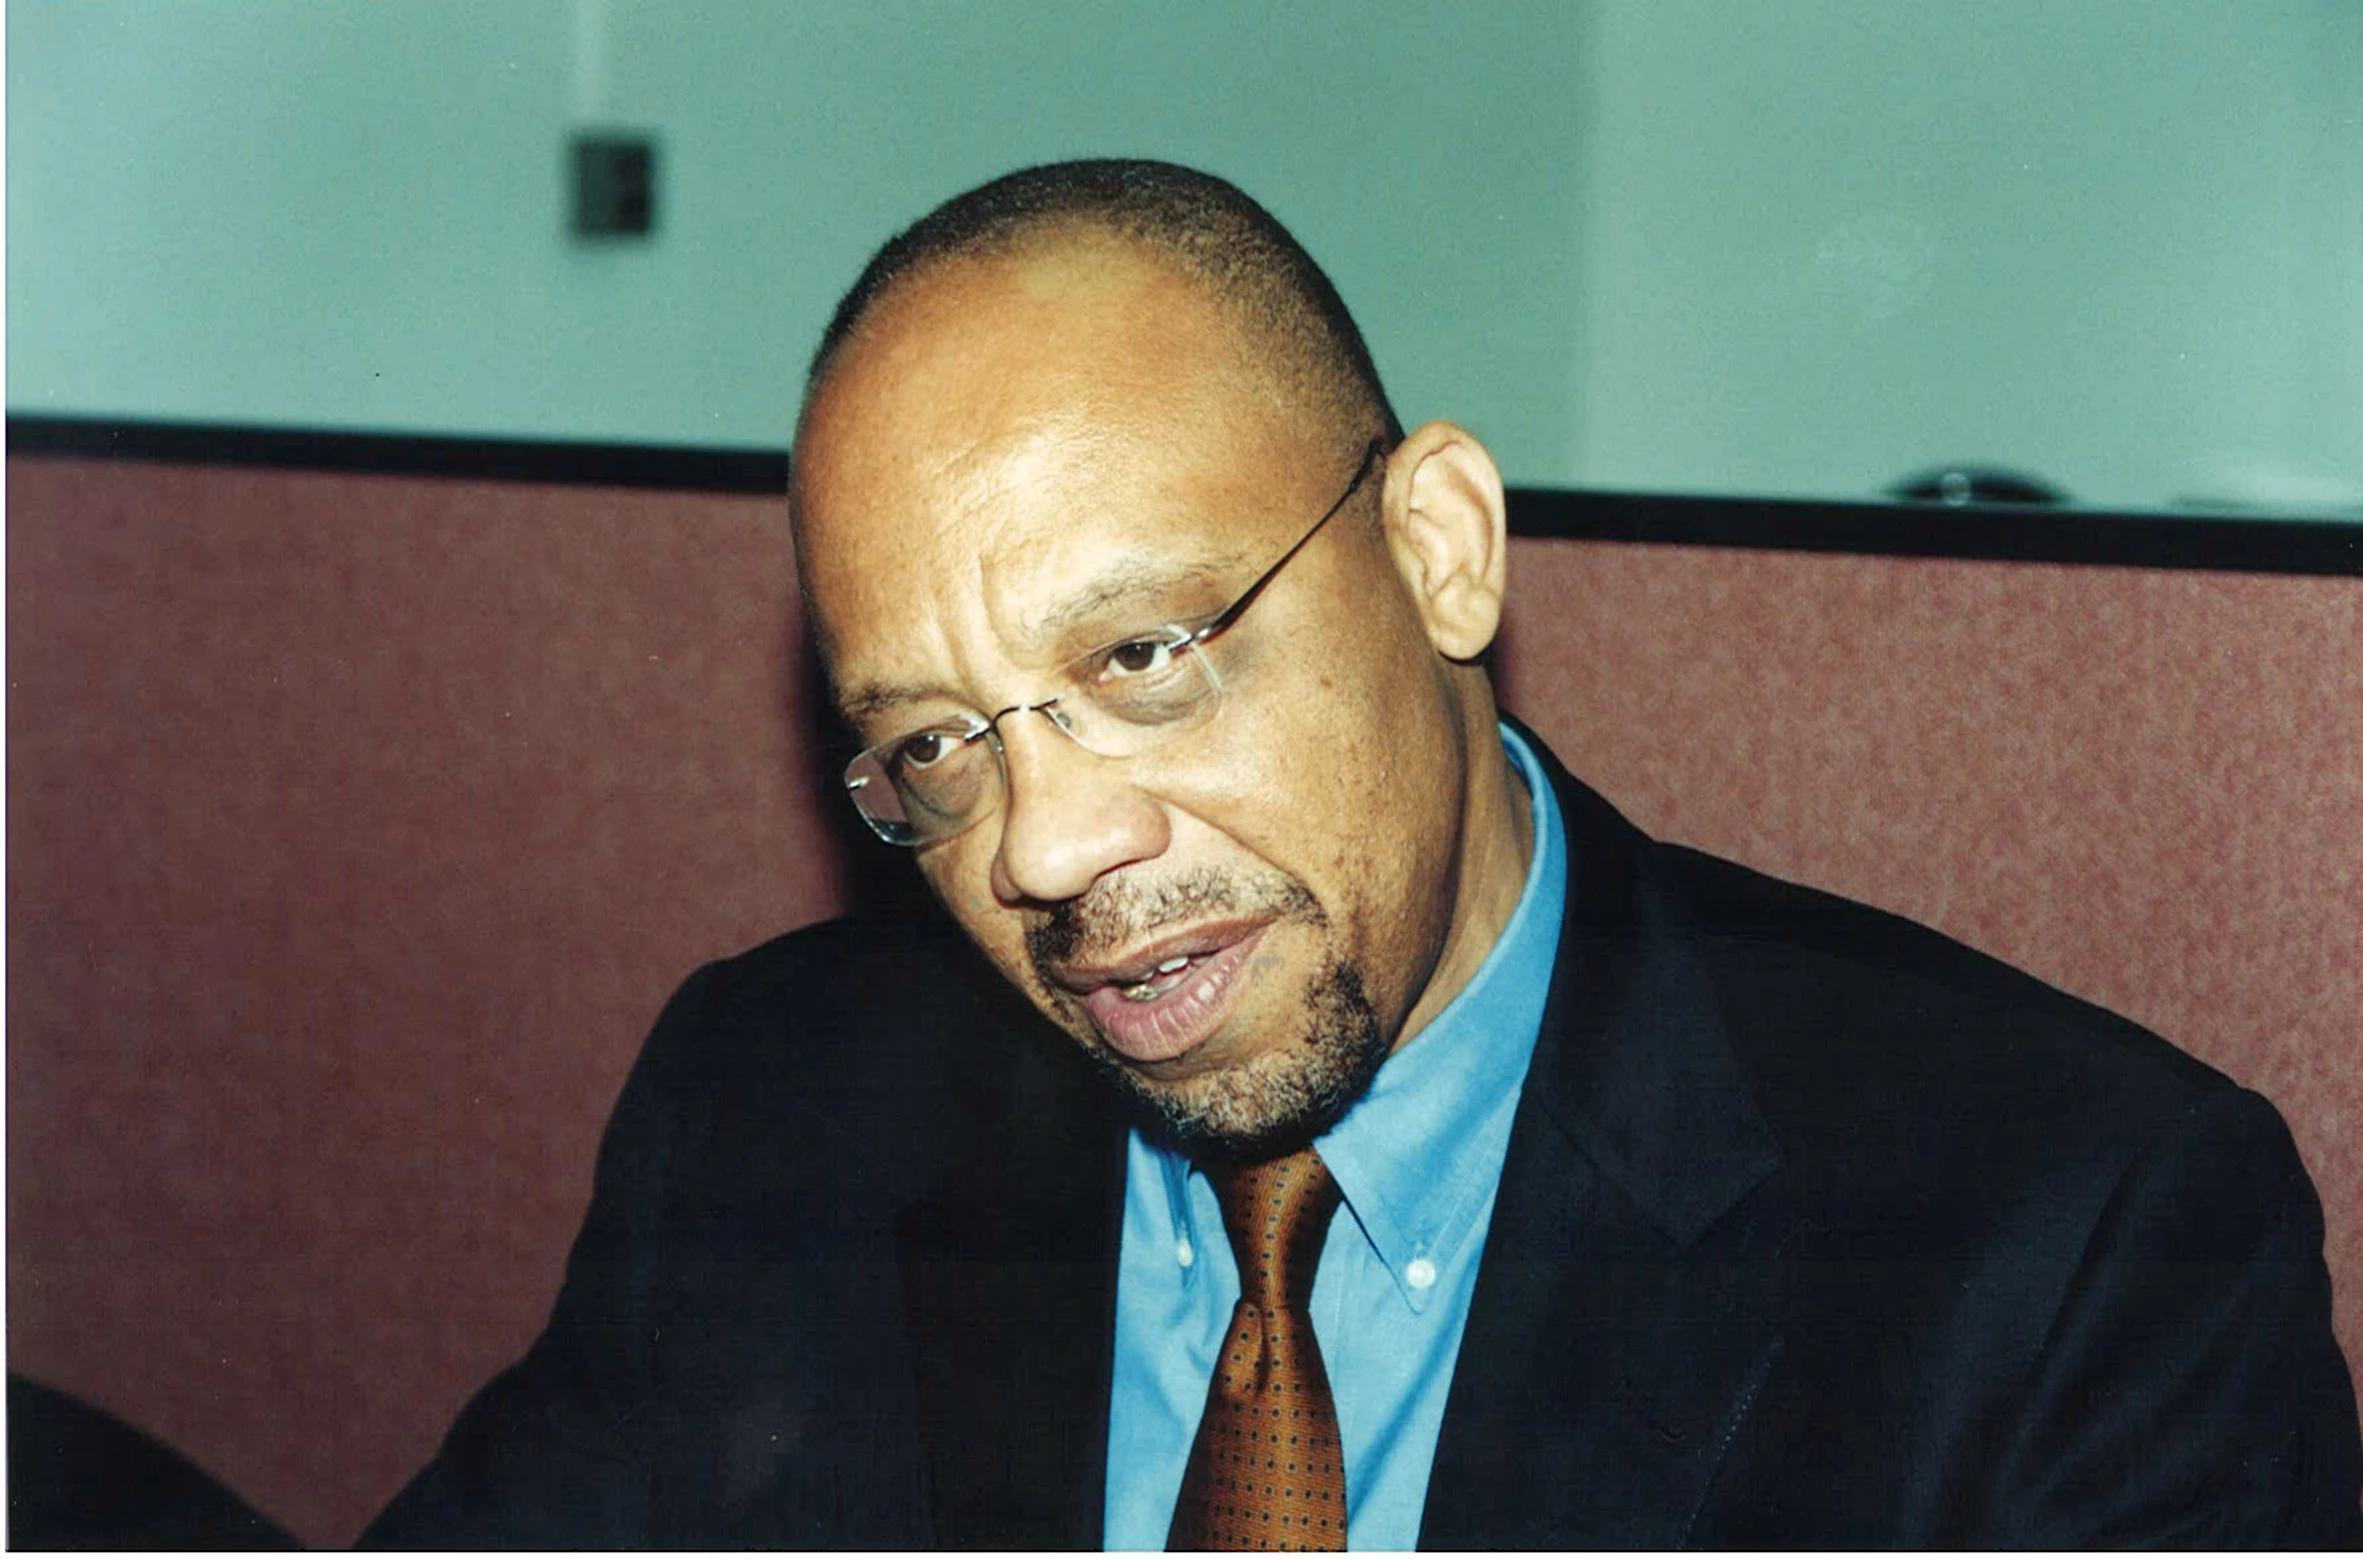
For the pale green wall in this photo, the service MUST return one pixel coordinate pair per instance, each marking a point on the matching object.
(329, 213)
(1670, 244)
(2117, 241)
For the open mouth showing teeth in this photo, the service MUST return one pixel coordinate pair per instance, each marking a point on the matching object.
(1168, 975)
(1160, 1007)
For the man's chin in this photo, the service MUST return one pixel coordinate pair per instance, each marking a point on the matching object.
(1269, 1103)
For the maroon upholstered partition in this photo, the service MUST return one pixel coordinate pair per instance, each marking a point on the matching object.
(2144, 786)
(357, 828)
(358, 825)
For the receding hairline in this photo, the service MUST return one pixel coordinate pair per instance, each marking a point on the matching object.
(1291, 322)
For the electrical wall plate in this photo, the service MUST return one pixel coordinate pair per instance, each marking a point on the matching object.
(614, 183)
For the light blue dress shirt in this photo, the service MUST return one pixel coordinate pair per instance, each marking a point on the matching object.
(1419, 1160)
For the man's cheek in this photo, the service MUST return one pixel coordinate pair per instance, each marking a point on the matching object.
(1269, 964)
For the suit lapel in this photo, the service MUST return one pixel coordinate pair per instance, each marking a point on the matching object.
(1009, 1270)
(1616, 1340)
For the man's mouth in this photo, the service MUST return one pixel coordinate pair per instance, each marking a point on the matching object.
(1168, 999)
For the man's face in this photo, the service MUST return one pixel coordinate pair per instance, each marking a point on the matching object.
(1016, 461)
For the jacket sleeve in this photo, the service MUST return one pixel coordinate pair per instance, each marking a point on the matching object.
(2190, 1391)
(552, 1453)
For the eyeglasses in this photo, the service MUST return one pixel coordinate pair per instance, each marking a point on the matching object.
(1117, 701)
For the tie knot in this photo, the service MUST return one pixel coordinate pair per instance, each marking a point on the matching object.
(1277, 1215)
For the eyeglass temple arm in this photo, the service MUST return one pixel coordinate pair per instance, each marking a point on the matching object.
(1232, 613)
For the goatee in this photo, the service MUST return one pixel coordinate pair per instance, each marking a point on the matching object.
(1282, 1098)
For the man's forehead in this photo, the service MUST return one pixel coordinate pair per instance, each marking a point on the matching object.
(1043, 548)
(1085, 303)
(925, 441)
(967, 345)
(1055, 440)
(1037, 504)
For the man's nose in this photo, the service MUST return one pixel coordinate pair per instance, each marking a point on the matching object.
(1067, 817)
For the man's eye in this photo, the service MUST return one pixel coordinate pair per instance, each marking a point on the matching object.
(1139, 657)
(924, 750)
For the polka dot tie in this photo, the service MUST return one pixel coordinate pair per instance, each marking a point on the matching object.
(1266, 1470)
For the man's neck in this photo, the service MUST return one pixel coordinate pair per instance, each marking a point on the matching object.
(1494, 865)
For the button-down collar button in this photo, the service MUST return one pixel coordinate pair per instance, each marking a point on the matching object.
(1421, 1273)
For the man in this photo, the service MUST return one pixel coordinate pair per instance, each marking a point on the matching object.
(1352, 1130)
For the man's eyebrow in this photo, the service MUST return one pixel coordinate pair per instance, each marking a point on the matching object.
(868, 700)
(1126, 580)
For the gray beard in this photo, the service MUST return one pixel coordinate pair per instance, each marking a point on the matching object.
(1277, 1102)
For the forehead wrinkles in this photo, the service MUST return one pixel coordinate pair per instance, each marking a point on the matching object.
(954, 579)
(1065, 558)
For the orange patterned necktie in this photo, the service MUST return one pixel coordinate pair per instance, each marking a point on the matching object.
(1266, 1470)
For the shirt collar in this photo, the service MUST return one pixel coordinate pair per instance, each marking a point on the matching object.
(1419, 1155)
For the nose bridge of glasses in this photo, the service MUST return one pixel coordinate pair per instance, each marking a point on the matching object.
(1050, 709)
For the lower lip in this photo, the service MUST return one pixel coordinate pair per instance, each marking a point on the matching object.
(1184, 1017)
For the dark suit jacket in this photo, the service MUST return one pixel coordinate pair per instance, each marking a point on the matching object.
(1816, 1228)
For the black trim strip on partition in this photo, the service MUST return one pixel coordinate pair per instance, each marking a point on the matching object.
(2249, 545)
(1990, 532)
(402, 454)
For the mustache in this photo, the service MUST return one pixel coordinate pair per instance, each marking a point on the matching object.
(1116, 914)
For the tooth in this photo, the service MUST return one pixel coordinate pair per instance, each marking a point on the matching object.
(1172, 964)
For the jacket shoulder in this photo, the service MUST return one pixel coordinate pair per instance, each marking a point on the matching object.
(838, 1006)
(2073, 1230)
(1816, 989)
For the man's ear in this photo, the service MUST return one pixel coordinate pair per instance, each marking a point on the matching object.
(1447, 529)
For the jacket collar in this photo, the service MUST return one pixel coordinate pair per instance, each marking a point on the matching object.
(1613, 1347)
(1637, 1068)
